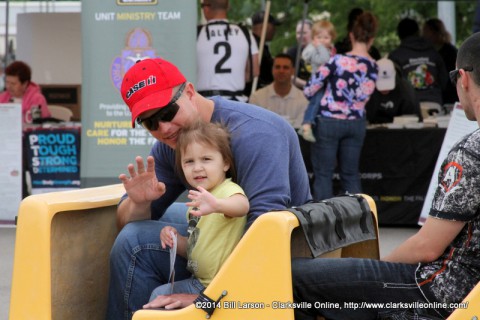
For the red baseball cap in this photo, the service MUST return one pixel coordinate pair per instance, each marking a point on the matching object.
(148, 85)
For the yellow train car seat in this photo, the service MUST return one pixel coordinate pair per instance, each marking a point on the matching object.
(61, 259)
(257, 276)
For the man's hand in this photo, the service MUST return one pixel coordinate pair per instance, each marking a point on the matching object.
(142, 185)
(142, 188)
(172, 301)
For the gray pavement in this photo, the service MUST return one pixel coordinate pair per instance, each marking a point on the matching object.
(7, 245)
(389, 239)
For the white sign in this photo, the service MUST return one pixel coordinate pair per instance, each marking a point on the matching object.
(458, 127)
(11, 164)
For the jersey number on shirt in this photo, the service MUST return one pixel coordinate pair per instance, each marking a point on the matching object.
(227, 54)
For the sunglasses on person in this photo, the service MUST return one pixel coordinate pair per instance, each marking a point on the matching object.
(164, 114)
(203, 5)
(454, 74)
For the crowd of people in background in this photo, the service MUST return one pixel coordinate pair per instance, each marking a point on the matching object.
(412, 80)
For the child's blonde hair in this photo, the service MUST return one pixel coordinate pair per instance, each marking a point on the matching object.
(324, 25)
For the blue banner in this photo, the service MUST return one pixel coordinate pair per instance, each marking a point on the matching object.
(53, 158)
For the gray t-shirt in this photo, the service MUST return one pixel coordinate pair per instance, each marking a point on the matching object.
(457, 197)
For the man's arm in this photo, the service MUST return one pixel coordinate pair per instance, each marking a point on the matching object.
(130, 211)
(428, 243)
(255, 68)
(253, 53)
(266, 170)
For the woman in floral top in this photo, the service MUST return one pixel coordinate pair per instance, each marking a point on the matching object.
(349, 80)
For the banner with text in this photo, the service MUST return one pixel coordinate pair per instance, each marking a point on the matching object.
(115, 35)
(53, 159)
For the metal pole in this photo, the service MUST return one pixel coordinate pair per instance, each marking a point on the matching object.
(262, 42)
(7, 11)
(299, 42)
(446, 13)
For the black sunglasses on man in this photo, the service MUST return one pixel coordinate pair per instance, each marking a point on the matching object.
(164, 114)
(454, 74)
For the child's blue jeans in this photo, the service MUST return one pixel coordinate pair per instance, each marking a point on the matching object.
(312, 108)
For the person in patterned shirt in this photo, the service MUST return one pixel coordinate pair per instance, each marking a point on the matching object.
(431, 272)
(348, 80)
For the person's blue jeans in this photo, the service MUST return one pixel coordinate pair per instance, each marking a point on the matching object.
(337, 142)
(336, 289)
(138, 264)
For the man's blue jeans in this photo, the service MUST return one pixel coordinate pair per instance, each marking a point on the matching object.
(138, 264)
(349, 282)
(337, 142)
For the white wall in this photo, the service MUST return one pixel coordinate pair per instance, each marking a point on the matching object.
(51, 44)
(17, 7)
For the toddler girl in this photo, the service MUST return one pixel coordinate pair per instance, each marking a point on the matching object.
(316, 53)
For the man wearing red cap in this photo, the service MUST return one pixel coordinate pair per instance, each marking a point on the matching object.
(163, 101)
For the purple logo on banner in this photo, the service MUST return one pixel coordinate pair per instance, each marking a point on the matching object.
(138, 47)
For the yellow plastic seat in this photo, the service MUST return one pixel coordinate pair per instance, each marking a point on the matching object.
(61, 259)
(259, 271)
(62, 248)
